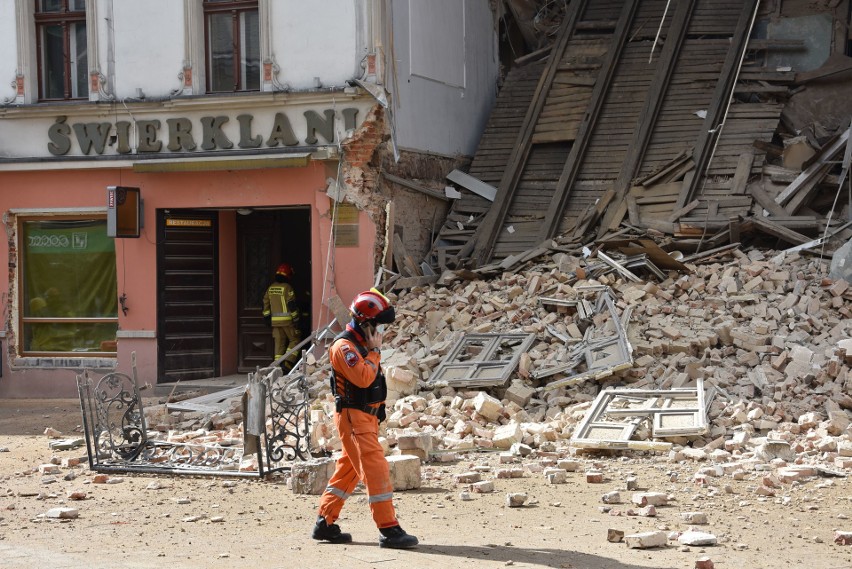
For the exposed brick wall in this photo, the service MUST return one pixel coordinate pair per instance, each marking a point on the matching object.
(359, 175)
(366, 155)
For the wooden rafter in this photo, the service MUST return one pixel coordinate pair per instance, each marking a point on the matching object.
(653, 103)
(586, 128)
(486, 234)
(711, 128)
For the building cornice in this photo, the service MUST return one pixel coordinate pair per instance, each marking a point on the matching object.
(255, 100)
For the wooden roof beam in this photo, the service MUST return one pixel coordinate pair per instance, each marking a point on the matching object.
(651, 109)
(570, 170)
(483, 241)
(714, 122)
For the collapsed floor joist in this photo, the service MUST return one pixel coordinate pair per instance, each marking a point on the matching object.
(679, 143)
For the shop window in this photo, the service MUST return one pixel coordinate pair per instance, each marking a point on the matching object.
(67, 283)
(232, 45)
(62, 50)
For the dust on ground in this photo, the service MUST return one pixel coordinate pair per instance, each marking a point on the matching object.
(147, 521)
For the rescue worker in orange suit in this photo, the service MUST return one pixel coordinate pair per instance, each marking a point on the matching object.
(359, 388)
(281, 311)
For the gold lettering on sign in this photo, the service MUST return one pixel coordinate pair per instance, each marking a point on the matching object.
(189, 222)
(179, 136)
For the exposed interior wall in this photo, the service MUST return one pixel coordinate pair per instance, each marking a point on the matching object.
(441, 103)
(417, 217)
(366, 156)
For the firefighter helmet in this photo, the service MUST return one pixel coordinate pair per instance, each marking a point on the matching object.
(371, 305)
(284, 270)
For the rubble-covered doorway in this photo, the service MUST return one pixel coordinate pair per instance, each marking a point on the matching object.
(265, 239)
(187, 295)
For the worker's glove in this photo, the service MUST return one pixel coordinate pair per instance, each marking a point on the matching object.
(267, 320)
(381, 415)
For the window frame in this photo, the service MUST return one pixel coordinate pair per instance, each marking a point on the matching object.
(236, 8)
(23, 320)
(66, 18)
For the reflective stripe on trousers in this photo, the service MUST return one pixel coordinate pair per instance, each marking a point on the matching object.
(337, 492)
(362, 459)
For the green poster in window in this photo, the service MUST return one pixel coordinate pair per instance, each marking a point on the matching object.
(69, 276)
(67, 238)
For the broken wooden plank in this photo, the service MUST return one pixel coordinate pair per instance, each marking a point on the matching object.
(662, 172)
(411, 282)
(682, 211)
(765, 200)
(734, 228)
(647, 247)
(405, 265)
(846, 164)
(414, 186)
(722, 94)
(738, 184)
(815, 168)
(473, 184)
(779, 231)
(532, 56)
(710, 253)
(556, 209)
(653, 102)
(807, 189)
(486, 234)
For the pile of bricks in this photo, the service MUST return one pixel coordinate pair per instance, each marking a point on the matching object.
(774, 339)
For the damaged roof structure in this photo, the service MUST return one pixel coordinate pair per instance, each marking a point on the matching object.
(682, 119)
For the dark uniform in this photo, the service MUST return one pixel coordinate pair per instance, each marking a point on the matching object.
(282, 311)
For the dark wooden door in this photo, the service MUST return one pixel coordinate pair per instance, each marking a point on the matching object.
(187, 295)
(266, 238)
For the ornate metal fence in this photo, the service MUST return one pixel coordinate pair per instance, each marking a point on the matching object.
(276, 413)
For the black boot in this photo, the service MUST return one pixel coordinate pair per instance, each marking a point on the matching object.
(396, 538)
(330, 533)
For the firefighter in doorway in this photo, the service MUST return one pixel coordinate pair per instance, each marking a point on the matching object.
(281, 311)
(359, 391)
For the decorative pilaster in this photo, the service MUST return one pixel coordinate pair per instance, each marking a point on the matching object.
(191, 76)
(269, 78)
(99, 87)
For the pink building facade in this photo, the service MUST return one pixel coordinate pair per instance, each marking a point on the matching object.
(224, 200)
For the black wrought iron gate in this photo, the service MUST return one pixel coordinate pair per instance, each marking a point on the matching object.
(276, 412)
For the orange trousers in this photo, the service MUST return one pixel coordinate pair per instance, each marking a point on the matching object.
(363, 459)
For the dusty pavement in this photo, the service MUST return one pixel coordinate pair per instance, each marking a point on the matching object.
(157, 521)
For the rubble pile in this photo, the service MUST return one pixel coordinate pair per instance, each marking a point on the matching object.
(770, 335)
(765, 332)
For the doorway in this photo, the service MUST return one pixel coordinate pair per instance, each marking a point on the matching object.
(265, 239)
(187, 295)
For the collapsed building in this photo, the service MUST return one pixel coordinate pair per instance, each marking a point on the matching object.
(638, 257)
(705, 123)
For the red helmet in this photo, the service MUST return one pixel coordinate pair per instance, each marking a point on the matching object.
(284, 270)
(372, 305)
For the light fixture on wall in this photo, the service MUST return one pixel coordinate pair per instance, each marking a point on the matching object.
(244, 211)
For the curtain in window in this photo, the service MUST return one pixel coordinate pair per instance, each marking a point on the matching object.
(250, 28)
(222, 52)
